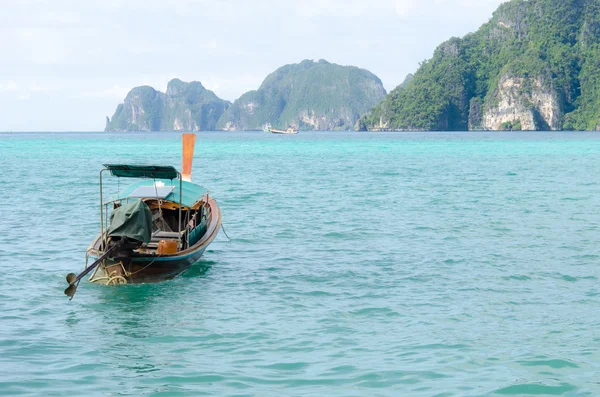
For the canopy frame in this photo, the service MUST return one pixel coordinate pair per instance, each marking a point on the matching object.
(140, 171)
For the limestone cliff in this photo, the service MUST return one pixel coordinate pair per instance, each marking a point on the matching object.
(533, 65)
(184, 107)
(526, 103)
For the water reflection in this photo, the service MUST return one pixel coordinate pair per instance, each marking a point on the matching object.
(146, 310)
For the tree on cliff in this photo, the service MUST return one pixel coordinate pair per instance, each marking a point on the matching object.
(548, 41)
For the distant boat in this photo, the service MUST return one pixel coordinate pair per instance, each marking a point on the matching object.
(159, 226)
(288, 130)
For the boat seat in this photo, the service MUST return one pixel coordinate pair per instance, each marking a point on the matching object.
(161, 235)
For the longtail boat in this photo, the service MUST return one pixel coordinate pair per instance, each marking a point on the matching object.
(158, 226)
(289, 130)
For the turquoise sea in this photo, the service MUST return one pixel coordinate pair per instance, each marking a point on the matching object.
(360, 264)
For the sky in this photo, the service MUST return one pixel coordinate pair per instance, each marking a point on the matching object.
(66, 64)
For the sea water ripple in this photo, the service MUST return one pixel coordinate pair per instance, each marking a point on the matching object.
(361, 264)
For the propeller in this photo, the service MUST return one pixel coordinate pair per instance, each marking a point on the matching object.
(73, 279)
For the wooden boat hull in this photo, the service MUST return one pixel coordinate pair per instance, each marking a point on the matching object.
(140, 268)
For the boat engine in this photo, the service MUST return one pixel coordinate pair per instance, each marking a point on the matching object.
(131, 226)
(125, 246)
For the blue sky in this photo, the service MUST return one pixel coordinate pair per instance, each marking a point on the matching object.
(67, 64)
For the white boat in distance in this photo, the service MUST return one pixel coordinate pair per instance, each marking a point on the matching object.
(288, 130)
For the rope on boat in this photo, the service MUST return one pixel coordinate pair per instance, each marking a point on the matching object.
(137, 271)
(115, 279)
(223, 228)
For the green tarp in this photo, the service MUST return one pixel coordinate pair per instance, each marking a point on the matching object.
(133, 220)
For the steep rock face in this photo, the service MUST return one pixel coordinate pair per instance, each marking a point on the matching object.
(534, 65)
(309, 95)
(476, 115)
(184, 107)
(140, 111)
(521, 101)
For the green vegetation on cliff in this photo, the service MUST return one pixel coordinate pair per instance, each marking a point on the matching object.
(310, 95)
(538, 57)
(184, 107)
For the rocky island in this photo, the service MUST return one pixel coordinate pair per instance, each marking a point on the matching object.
(309, 95)
(534, 66)
(184, 107)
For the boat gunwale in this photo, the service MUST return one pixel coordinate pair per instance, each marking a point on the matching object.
(214, 222)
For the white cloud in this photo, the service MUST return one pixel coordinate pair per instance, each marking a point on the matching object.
(57, 52)
(116, 93)
(336, 8)
(24, 91)
(444, 9)
(405, 8)
(56, 18)
(36, 87)
(230, 88)
(8, 86)
(210, 44)
(43, 46)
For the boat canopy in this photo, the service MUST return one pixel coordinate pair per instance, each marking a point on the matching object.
(142, 171)
(191, 193)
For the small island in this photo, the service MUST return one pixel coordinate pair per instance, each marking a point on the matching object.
(309, 95)
(184, 107)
